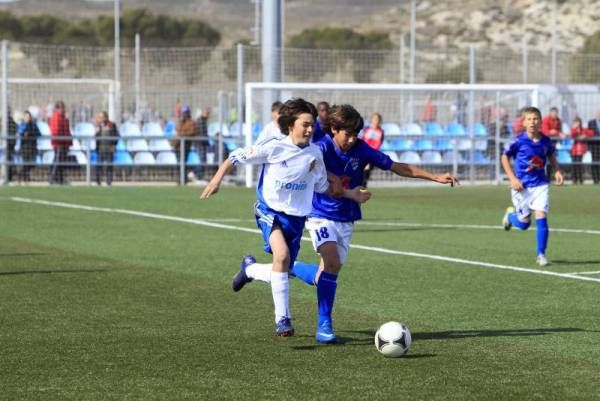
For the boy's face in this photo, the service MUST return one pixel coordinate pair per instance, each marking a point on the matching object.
(344, 139)
(302, 130)
(531, 123)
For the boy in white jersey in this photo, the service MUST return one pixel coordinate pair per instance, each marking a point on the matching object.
(529, 184)
(292, 171)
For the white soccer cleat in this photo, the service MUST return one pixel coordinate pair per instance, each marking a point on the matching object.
(505, 221)
(541, 260)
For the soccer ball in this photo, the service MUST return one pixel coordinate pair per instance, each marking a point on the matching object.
(393, 339)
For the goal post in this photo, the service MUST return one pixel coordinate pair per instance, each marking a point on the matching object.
(404, 108)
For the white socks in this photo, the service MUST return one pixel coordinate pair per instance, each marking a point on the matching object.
(260, 271)
(280, 287)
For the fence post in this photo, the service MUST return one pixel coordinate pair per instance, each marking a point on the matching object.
(497, 146)
(471, 118)
(240, 85)
(525, 59)
(181, 160)
(4, 101)
(137, 74)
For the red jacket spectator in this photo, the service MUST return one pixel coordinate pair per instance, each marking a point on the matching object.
(580, 147)
(551, 125)
(373, 137)
(518, 126)
(59, 126)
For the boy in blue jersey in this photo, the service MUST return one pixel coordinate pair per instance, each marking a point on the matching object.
(331, 221)
(529, 184)
(292, 171)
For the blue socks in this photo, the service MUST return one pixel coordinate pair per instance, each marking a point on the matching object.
(305, 272)
(542, 235)
(514, 220)
(326, 288)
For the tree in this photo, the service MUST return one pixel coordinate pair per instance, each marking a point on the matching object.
(336, 40)
(453, 75)
(583, 66)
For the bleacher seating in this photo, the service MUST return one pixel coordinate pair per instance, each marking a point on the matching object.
(193, 158)
(410, 157)
(423, 144)
(123, 158)
(391, 129)
(455, 129)
(433, 128)
(152, 130)
(166, 158)
(159, 144)
(145, 158)
(431, 157)
(401, 144)
(564, 157)
(48, 157)
(448, 157)
(129, 129)
(169, 130)
(411, 129)
(393, 156)
(137, 145)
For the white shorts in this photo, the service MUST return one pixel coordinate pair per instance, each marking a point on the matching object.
(323, 230)
(529, 199)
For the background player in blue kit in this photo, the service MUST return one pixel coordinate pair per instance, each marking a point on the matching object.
(292, 171)
(331, 221)
(529, 184)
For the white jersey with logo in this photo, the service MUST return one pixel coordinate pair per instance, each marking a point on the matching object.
(290, 174)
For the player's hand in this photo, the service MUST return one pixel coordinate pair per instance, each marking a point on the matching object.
(359, 194)
(516, 184)
(211, 188)
(559, 178)
(447, 179)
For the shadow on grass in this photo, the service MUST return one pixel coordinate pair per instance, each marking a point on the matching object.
(459, 334)
(11, 255)
(26, 272)
(575, 262)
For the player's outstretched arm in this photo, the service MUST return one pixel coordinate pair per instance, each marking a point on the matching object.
(515, 183)
(213, 186)
(557, 173)
(412, 171)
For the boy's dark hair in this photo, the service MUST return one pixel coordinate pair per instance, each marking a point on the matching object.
(532, 110)
(276, 106)
(343, 117)
(323, 103)
(290, 111)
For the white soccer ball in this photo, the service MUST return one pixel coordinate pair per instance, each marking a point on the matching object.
(393, 339)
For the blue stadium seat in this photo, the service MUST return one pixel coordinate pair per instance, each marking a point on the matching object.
(121, 145)
(455, 129)
(145, 158)
(433, 129)
(401, 144)
(236, 129)
(152, 130)
(166, 158)
(386, 146)
(231, 145)
(159, 144)
(93, 157)
(410, 157)
(48, 157)
(193, 159)
(565, 144)
(448, 158)
(137, 145)
(412, 129)
(479, 129)
(431, 157)
(564, 157)
(256, 129)
(84, 129)
(129, 129)
(122, 158)
(393, 156)
(480, 158)
(443, 144)
(44, 143)
(169, 130)
(44, 128)
(423, 144)
(391, 129)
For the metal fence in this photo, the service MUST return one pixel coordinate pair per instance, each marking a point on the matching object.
(156, 83)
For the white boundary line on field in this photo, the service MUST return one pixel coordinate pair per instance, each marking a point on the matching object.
(594, 272)
(424, 225)
(254, 231)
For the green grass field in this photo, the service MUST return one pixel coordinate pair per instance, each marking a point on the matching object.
(103, 304)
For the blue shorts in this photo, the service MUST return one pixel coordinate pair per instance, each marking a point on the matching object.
(291, 226)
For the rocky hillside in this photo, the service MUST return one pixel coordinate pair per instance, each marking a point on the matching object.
(497, 23)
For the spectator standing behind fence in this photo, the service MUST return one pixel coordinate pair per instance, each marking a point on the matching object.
(106, 141)
(594, 125)
(271, 130)
(579, 135)
(202, 123)
(429, 113)
(186, 128)
(28, 133)
(61, 142)
(517, 124)
(11, 142)
(551, 124)
(373, 136)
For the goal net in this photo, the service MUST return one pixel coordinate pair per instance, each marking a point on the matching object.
(459, 128)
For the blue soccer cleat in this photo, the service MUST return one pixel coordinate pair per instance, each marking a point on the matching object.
(325, 333)
(284, 328)
(241, 278)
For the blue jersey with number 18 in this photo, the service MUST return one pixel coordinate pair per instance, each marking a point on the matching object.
(349, 166)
